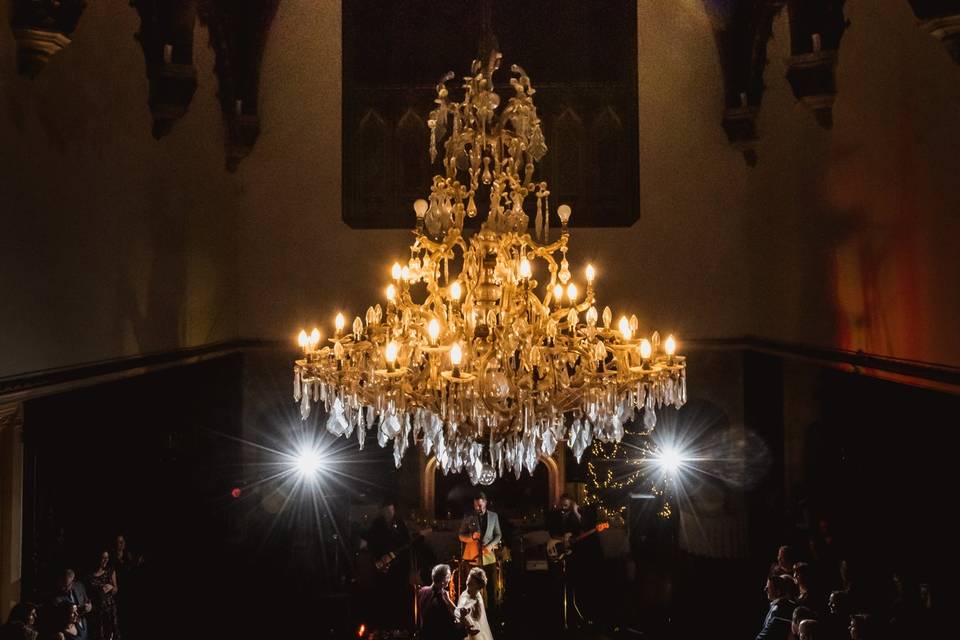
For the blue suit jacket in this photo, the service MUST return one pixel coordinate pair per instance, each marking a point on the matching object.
(776, 626)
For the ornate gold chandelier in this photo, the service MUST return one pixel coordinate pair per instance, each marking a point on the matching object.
(467, 359)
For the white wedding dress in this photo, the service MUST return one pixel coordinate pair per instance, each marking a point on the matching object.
(475, 617)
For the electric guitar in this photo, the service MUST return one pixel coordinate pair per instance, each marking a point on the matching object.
(558, 549)
(383, 563)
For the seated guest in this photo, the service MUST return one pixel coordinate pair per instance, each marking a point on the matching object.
(837, 621)
(776, 626)
(62, 621)
(21, 623)
(784, 563)
(863, 626)
(806, 594)
(800, 614)
(808, 630)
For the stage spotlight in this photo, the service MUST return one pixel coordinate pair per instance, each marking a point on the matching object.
(308, 462)
(669, 460)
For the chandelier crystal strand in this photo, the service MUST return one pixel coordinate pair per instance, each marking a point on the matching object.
(489, 368)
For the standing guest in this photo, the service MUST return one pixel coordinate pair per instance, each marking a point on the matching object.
(104, 620)
(471, 611)
(389, 542)
(72, 591)
(437, 614)
(776, 625)
(808, 630)
(825, 550)
(800, 614)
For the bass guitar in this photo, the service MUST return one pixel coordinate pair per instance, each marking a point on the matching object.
(558, 549)
(383, 563)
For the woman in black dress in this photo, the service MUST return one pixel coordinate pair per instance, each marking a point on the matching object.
(103, 589)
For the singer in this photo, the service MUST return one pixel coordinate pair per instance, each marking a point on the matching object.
(480, 535)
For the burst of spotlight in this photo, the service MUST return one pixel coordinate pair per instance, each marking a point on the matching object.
(670, 460)
(308, 462)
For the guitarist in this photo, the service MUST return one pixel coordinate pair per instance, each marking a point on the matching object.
(389, 535)
(566, 522)
(480, 534)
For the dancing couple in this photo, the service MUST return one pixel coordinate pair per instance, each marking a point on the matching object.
(440, 619)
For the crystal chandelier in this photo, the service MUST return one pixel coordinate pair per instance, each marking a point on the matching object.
(472, 357)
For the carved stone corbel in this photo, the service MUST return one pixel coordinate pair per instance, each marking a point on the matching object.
(166, 36)
(42, 28)
(238, 35)
(941, 19)
(742, 29)
(816, 27)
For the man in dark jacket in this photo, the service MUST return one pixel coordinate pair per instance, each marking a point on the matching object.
(776, 626)
(72, 590)
(437, 619)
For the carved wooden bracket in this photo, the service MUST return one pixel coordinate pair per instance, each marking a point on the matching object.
(166, 36)
(742, 29)
(816, 27)
(41, 28)
(941, 19)
(238, 35)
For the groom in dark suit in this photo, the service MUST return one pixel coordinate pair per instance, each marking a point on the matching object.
(437, 619)
(480, 535)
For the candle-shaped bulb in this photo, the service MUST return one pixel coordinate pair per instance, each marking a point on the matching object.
(634, 323)
(563, 212)
(456, 354)
(357, 327)
(645, 349)
(433, 330)
(558, 292)
(607, 317)
(391, 352)
(592, 316)
(405, 274)
(670, 346)
(314, 337)
(591, 274)
(391, 293)
(624, 326)
(572, 292)
(302, 339)
(338, 322)
(455, 291)
(525, 270)
(395, 271)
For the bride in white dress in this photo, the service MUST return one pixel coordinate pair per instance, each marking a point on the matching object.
(471, 610)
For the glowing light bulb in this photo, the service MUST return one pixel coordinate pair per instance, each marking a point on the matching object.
(302, 339)
(591, 274)
(670, 460)
(338, 322)
(405, 274)
(314, 337)
(592, 316)
(558, 293)
(433, 329)
(572, 292)
(456, 354)
(391, 352)
(624, 326)
(563, 212)
(391, 293)
(645, 349)
(420, 208)
(396, 271)
(455, 291)
(670, 346)
(525, 270)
